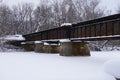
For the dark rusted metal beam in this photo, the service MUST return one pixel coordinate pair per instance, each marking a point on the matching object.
(103, 27)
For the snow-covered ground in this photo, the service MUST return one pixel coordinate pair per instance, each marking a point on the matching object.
(41, 66)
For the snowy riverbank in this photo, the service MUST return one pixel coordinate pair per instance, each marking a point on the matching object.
(35, 66)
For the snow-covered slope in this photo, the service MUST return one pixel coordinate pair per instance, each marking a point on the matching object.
(113, 67)
(35, 66)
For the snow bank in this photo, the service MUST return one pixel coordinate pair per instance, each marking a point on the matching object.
(65, 40)
(66, 24)
(37, 42)
(15, 37)
(46, 43)
(23, 43)
(113, 68)
(33, 66)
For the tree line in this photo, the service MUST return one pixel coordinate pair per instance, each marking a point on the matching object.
(25, 18)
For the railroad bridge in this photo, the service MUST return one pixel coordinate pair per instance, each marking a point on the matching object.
(105, 28)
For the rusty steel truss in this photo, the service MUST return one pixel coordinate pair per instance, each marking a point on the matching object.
(98, 29)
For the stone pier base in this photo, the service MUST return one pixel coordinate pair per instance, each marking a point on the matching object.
(74, 49)
(51, 48)
(28, 47)
(39, 47)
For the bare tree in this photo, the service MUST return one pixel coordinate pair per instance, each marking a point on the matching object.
(90, 9)
(5, 19)
(56, 13)
(79, 10)
(22, 18)
(43, 16)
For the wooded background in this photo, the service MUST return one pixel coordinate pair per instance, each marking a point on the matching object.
(25, 18)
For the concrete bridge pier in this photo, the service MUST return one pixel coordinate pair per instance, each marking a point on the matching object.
(51, 48)
(43, 47)
(74, 49)
(39, 47)
(28, 46)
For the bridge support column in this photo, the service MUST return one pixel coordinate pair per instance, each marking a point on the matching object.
(39, 47)
(51, 48)
(74, 49)
(28, 46)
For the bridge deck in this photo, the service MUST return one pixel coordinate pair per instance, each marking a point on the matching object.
(98, 29)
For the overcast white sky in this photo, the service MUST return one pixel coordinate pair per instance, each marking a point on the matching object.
(110, 4)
